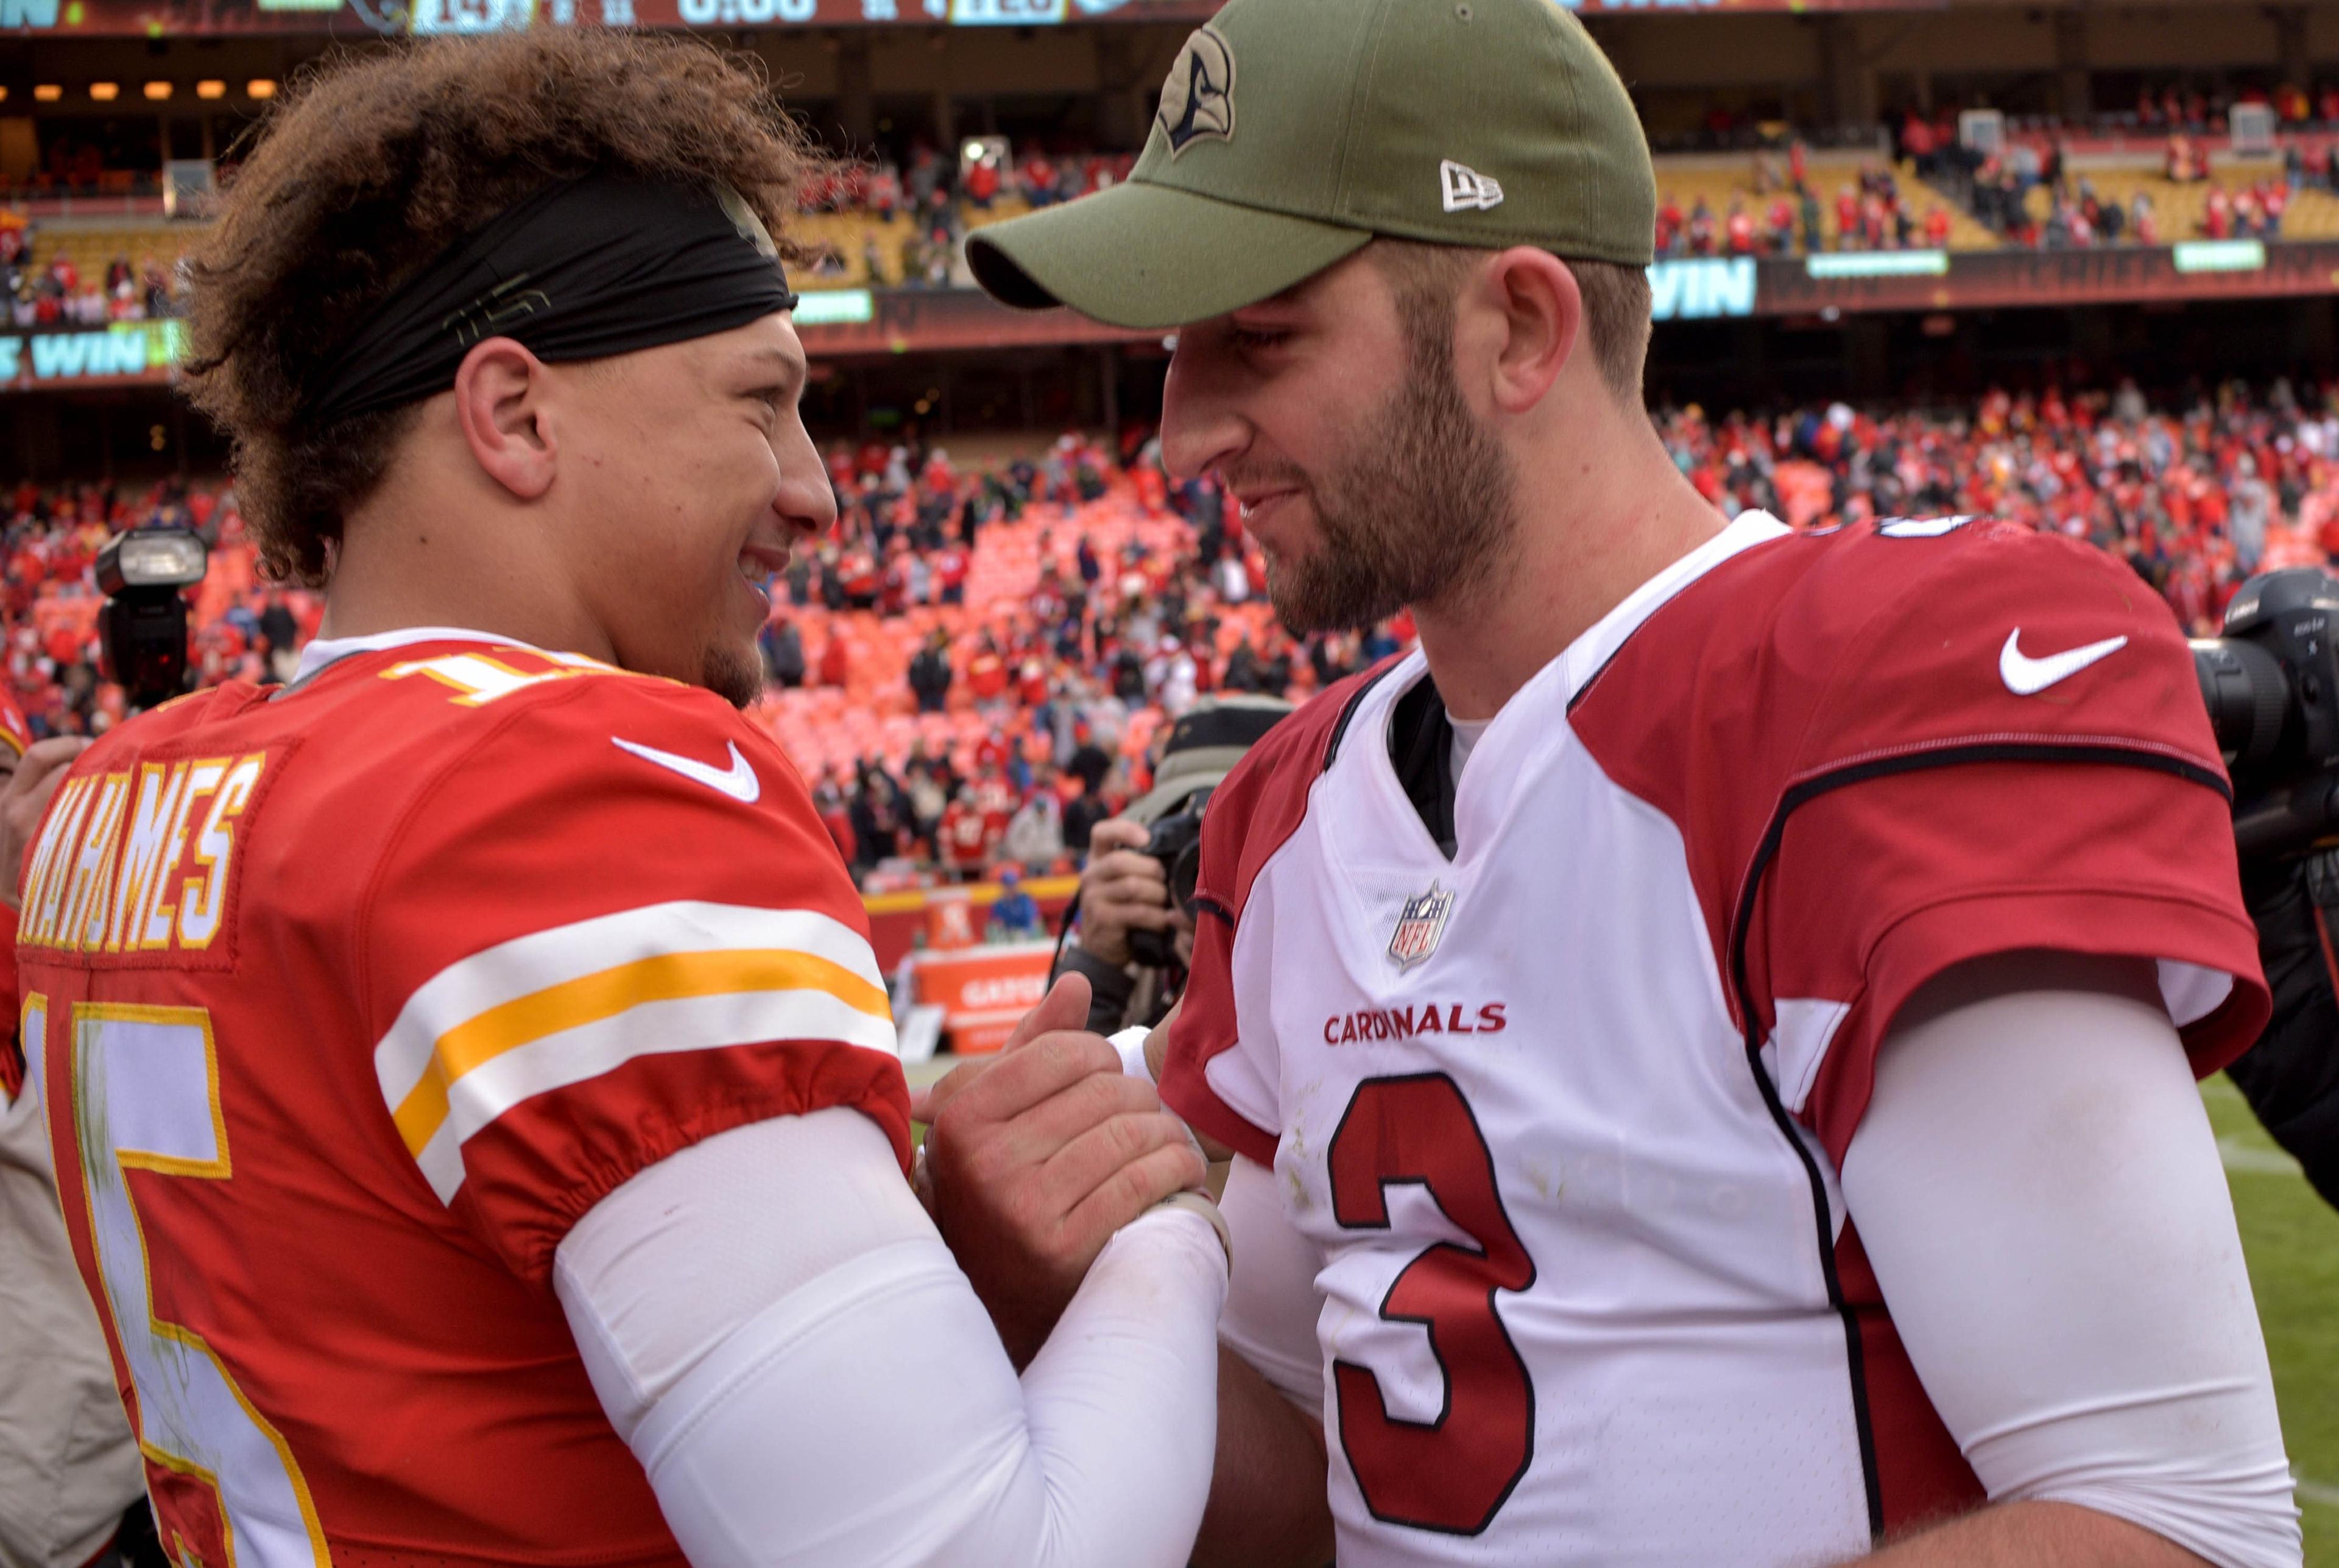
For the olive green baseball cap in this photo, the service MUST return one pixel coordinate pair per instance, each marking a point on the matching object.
(1291, 132)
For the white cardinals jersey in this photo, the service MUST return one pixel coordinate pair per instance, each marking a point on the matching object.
(1563, 1112)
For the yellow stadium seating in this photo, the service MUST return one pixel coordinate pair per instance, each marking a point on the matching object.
(1720, 181)
(92, 251)
(2177, 208)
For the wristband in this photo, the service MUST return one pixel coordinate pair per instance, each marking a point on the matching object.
(1130, 1043)
(1201, 1204)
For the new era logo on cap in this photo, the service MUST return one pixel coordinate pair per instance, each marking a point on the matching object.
(1466, 189)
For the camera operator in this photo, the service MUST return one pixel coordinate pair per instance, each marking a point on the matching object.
(2291, 1076)
(2272, 686)
(1134, 936)
(68, 1466)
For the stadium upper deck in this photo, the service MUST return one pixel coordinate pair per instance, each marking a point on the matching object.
(106, 105)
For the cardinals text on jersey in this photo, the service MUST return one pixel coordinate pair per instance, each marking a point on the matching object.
(1570, 1157)
(345, 1003)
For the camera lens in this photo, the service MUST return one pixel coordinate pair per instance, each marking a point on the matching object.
(2247, 696)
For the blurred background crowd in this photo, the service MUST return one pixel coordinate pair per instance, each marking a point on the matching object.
(979, 664)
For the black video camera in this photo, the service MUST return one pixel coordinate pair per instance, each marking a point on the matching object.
(2272, 687)
(1175, 841)
(142, 629)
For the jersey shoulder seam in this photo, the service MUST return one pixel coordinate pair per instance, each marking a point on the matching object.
(527, 705)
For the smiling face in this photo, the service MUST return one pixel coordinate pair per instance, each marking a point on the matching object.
(1333, 415)
(694, 479)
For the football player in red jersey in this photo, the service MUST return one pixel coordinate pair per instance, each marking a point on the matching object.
(474, 1098)
(1708, 1041)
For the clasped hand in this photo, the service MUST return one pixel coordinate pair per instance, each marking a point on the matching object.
(1034, 1158)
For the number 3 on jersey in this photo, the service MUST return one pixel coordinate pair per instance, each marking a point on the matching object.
(145, 1091)
(1452, 1474)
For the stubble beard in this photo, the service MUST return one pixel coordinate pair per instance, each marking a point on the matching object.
(1423, 511)
(733, 675)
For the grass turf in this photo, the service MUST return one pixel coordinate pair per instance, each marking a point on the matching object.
(2292, 1238)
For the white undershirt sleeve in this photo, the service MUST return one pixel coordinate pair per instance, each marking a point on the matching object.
(777, 1330)
(2037, 1184)
(1271, 1301)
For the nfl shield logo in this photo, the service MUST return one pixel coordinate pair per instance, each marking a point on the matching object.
(1418, 926)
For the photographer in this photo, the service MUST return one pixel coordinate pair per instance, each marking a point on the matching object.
(68, 1466)
(2291, 1076)
(1133, 939)
(2268, 682)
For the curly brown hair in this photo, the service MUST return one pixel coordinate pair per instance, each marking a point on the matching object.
(373, 167)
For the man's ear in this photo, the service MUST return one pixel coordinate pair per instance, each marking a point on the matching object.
(1541, 313)
(500, 400)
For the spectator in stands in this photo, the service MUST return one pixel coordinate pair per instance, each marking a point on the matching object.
(1918, 145)
(1737, 230)
(835, 660)
(982, 182)
(966, 838)
(784, 655)
(930, 674)
(1779, 227)
(1035, 834)
(1014, 913)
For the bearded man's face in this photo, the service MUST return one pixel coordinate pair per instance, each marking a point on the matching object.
(1366, 477)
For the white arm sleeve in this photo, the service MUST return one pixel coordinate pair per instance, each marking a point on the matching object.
(1271, 1301)
(2037, 1187)
(778, 1333)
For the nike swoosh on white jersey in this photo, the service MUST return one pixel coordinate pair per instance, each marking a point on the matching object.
(739, 781)
(2025, 676)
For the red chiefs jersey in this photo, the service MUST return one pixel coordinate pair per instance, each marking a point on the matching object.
(15, 734)
(1564, 1110)
(346, 1002)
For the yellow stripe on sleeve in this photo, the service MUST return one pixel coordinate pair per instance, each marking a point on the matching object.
(592, 998)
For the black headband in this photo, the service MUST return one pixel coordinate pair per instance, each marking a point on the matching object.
(586, 268)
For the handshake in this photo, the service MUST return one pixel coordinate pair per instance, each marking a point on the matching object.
(1034, 1159)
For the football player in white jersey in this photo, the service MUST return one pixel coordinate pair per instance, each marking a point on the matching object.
(1709, 1041)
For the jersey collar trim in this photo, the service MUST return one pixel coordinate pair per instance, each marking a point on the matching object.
(324, 651)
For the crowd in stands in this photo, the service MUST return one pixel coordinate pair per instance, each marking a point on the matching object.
(940, 197)
(1784, 214)
(2195, 497)
(54, 292)
(980, 663)
(925, 200)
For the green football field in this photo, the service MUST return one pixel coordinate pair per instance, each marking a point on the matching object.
(2293, 1241)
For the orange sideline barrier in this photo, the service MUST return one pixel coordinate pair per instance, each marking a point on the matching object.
(984, 991)
(898, 920)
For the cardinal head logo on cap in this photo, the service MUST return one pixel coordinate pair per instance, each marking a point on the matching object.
(1198, 98)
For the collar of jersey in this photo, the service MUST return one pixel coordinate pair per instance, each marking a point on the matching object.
(1482, 797)
(323, 651)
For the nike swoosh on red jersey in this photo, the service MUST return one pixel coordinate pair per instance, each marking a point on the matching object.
(2025, 676)
(739, 781)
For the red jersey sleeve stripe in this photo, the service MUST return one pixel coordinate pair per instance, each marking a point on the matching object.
(558, 1007)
